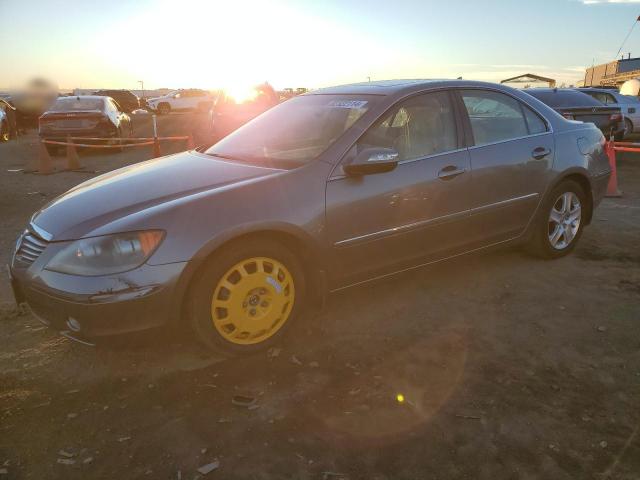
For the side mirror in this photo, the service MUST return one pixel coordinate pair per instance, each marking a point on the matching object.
(372, 160)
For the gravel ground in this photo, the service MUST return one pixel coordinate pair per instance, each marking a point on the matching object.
(490, 366)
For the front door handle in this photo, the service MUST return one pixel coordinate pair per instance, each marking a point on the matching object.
(540, 152)
(449, 172)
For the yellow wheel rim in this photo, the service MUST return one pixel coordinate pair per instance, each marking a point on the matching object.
(252, 300)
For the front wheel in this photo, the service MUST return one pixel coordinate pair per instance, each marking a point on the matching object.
(560, 222)
(246, 296)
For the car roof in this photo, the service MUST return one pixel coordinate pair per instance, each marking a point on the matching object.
(392, 87)
(557, 91)
(593, 89)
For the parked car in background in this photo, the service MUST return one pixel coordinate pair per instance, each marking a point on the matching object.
(84, 116)
(4, 124)
(230, 113)
(575, 105)
(322, 192)
(629, 106)
(182, 100)
(126, 99)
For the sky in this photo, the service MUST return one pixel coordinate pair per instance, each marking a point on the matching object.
(221, 44)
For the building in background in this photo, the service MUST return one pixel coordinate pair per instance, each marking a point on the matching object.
(612, 74)
(528, 80)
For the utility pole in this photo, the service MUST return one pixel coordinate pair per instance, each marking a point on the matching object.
(141, 82)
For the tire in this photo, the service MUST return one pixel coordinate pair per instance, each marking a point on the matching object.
(555, 238)
(235, 320)
(4, 132)
(628, 127)
(164, 108)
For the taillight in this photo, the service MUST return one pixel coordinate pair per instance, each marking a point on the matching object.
(568, 116)
(615, 117)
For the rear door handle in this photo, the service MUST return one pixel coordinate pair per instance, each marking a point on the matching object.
(540, 152)
(449, 172)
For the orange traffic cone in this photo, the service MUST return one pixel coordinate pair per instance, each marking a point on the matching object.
(156, 148)
(45, 167)
(73, 161)
(190, 144)
(612, 187)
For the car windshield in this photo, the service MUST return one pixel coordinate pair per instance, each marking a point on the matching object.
(294, 132)
(566, 98)
(70, 104)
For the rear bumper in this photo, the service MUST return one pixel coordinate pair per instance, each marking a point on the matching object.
(101, 132)
(90, 307)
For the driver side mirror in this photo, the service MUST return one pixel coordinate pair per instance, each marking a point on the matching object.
(372, 160)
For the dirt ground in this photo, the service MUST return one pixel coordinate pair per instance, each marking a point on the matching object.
(488, 367)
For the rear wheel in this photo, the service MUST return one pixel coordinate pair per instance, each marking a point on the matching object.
(246, 297)
(164, 108)
(4, 132)
(560, 221)
(628, 127)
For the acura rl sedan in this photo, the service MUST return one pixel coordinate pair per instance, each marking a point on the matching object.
(325, 191)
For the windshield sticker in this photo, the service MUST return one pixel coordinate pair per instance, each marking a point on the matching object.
(348, 103)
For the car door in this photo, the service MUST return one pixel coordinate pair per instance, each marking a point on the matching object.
(179, 101)
(511, 155)
(388, 221)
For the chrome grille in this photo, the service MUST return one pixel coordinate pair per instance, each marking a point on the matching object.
(30, 247)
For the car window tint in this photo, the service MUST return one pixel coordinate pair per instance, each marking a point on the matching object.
(534, 122)
(609, 99)
(67, 104)
(421, 126)
(602, 97)
(494, 116)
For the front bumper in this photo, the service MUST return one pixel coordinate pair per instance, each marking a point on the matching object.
(89, 307)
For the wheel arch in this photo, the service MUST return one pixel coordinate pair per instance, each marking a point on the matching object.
(581, 177)
(294, 239)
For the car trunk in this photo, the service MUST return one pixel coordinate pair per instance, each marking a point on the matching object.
(605, 118)
(60, 122)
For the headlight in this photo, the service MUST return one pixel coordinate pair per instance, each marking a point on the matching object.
(107, 254)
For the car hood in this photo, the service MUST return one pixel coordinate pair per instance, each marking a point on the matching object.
(132, 189)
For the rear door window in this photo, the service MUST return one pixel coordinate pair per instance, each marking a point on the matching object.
(494, 116)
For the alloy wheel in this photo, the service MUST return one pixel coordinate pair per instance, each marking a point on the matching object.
(252, 300)
(564, 220)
